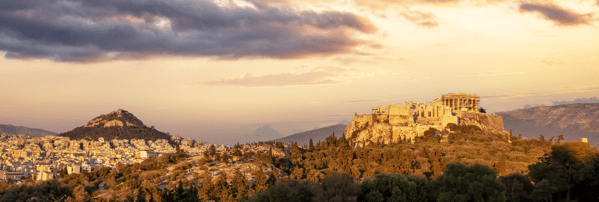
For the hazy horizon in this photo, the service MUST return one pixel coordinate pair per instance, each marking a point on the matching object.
(217, 70)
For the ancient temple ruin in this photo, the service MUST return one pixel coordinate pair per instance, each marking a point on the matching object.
(458, 101)
(441, 111)
(396, 122)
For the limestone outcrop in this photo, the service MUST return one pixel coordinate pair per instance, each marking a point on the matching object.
(486, 122)
(396, 123)
(384, 132)
(116, 118)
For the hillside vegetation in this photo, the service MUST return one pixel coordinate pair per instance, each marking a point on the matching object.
(108, 133)
(471, 166)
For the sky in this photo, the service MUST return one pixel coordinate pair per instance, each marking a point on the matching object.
(225, 71)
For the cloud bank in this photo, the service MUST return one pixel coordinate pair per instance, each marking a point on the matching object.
(560, 16)
(320, 75)
(102, 30)
(423, 19)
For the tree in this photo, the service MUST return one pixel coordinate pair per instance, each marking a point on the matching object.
(221, 188)
(559, 138)
(517, 187)
(339, 187)
(311, 147)
(557, 172)
(335, 187)
(178, 149)
(543, 191)
(225, 158)
(567, 158)
(206, 191)
(239, 186)
(290, 191)
(63, 172)
(270, 155)
(212, 150)
(261, 181)
(482, 110)
(468, 183)
(502, 165)
(236, 151)
(80, 194)
(296, 151)
(587, 181)
(394, 187)
(217, 156)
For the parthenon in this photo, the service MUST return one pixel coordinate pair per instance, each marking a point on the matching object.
(458, 101)
(396, 122)
(441, 111)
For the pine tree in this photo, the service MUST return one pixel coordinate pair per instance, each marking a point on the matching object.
(239, 186)
(212, 150)
(559, 138)
(206, 191)
(177, 149)
(502, 165)
(261, 181)
(221, 188)
(311, 147)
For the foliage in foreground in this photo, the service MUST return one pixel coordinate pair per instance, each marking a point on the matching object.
(458, 183)
(471, 166)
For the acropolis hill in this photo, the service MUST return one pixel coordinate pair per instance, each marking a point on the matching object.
(395, 123)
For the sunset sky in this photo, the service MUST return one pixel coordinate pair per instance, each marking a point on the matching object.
(216, 70)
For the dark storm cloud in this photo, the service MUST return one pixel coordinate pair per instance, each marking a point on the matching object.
(560, 16)
(100, 30)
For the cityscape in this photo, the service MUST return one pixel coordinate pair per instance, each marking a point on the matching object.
(299, 101)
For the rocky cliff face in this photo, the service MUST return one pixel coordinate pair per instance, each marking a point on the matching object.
(486, 122)
(116, 118)
(574, 121)
(375, 128)
(384, 132)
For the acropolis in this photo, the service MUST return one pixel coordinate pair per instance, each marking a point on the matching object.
(411, 119)
(441, 111)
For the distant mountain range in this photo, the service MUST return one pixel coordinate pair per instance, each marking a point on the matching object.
(118, 124)
(33, 132)
(574, 121)
(320, 134)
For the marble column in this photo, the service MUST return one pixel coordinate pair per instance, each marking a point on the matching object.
(453, 103)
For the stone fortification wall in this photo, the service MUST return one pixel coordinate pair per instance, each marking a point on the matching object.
(363, 120)
(394, 123)
(449, 119)
(399, 110)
